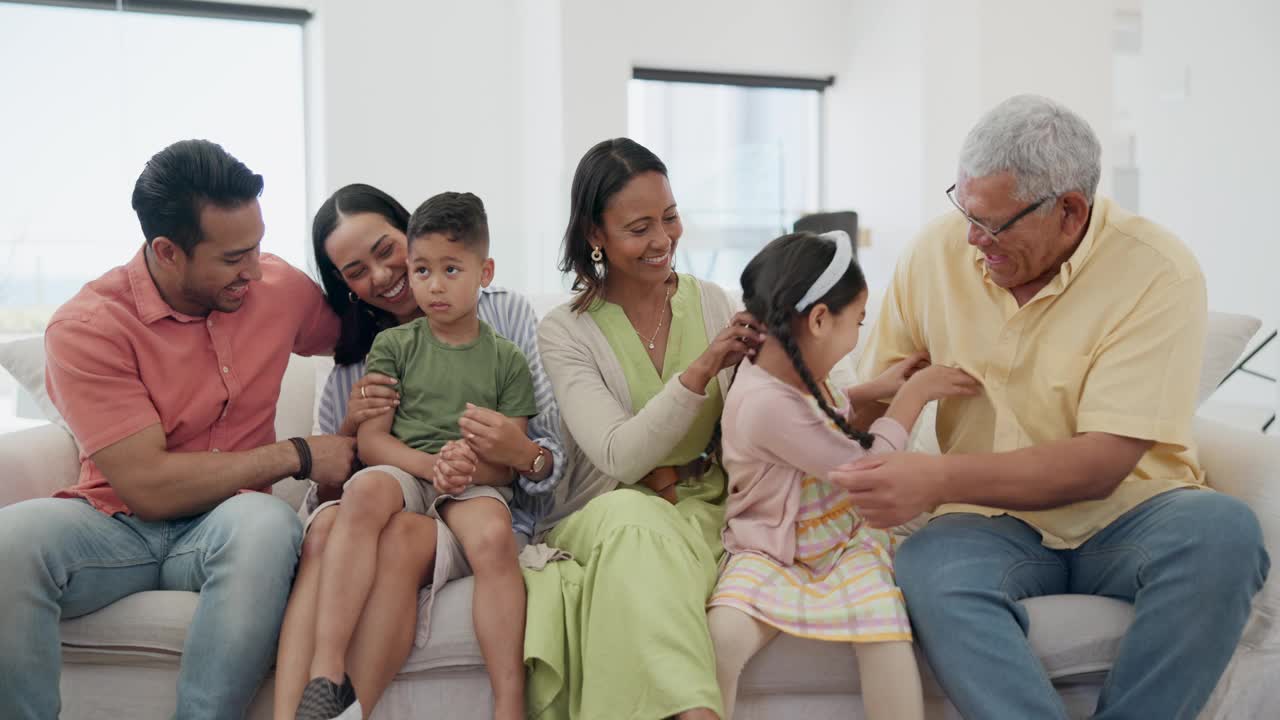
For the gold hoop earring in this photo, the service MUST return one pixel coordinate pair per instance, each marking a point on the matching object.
(597, 257)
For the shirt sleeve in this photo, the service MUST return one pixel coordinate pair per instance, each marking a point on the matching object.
(790, 432)
(1143, 379)
(621, 444)
(319, 326)
(333, 400)
(516, 397)
(385, 356)
(93, 380)
(895, 334)
(512, 316)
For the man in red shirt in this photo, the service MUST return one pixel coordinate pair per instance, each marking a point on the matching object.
(168, 370)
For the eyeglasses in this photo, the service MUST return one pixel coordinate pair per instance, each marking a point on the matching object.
(951, 195)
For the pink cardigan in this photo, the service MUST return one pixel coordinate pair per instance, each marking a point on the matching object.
(773, 437)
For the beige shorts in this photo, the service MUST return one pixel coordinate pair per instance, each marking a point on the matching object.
(422, 497)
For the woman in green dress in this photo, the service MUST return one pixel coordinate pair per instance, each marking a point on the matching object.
(640, 361)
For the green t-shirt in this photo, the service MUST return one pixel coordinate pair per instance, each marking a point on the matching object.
(438, 380)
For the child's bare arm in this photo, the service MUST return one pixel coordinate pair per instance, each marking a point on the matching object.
(377, 446)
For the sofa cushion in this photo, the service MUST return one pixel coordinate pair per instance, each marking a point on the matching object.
(151, 627)
(24, 359)
(1073, 635)
(145, 626)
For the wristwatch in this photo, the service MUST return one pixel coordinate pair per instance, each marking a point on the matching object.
(539, 462)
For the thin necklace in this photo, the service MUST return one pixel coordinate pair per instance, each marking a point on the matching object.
(662, 313)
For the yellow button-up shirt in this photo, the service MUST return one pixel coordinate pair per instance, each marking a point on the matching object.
(1112, 344)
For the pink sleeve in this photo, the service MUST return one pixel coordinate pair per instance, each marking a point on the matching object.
(786, 427)
(93, 381)
(318, 331)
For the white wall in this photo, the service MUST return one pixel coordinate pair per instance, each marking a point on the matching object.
(1208, 133)
(603, 41)
(422, 97)
(919, 73)
(504, 96)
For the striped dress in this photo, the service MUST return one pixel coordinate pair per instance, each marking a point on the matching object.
(510, 315)
(801, 558)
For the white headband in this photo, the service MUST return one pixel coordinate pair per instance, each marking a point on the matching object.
(836, 270)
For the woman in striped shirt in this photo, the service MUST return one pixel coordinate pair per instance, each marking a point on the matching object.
(360, 247)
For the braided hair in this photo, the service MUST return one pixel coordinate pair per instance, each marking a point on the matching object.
(775, 280)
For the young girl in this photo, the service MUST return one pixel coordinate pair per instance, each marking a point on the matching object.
(800, 559)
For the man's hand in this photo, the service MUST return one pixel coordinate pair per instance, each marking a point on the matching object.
(889, 490)
(333, 459)
(455, 468)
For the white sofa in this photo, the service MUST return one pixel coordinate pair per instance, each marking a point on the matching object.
(121, 662)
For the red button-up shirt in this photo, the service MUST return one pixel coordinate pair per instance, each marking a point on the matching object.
(120, 359)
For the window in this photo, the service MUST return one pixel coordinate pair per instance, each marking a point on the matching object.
(90, 95)
(744, 154)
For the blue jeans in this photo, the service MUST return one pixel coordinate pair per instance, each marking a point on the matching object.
(1190, 561)
(61, 559)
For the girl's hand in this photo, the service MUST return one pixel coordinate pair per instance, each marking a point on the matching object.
(939, 381)
(370, 397)
(741, 339)
(889, 382)
(496, 438)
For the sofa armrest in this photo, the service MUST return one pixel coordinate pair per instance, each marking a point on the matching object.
(1246, 464)
(37, 462)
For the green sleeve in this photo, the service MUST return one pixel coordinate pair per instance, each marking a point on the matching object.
(515, 397)
(385, 355)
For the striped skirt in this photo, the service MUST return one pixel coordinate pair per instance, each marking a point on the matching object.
(841, 586)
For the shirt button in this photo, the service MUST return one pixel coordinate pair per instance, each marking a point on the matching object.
(210, 322)
(225, 369)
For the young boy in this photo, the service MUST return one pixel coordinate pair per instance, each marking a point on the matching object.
(443, 361)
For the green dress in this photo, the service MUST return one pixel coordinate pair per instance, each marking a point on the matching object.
(621, 630)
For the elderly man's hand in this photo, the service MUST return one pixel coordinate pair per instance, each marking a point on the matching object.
(892, 489)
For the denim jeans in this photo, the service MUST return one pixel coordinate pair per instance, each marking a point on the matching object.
(1190, 561)
(61, 559)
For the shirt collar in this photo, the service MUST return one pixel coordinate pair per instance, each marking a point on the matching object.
(146, 296)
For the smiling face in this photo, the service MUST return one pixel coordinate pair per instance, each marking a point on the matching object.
(1031, 250)
(640, 229)
(445, 277)
(825, 336)
(217, 274)
(371, 256)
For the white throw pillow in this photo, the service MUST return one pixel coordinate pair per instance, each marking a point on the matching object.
(24, 359)
(1226, 341)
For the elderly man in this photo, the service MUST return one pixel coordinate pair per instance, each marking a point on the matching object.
(1075, 471)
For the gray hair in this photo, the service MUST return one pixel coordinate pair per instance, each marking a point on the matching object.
(1049, 149)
